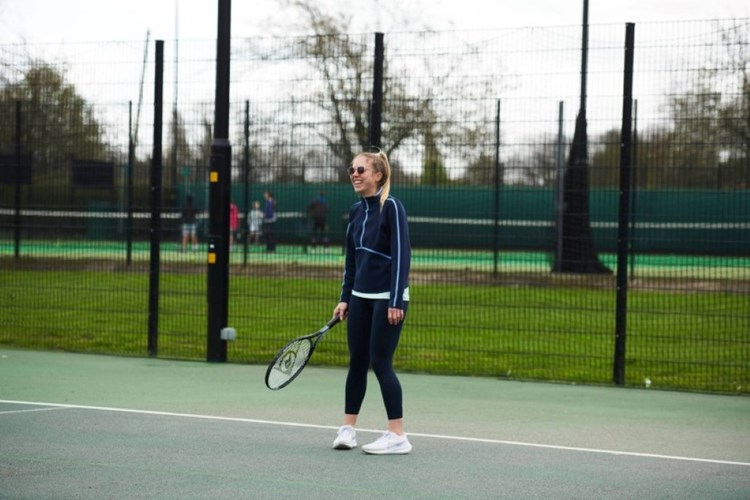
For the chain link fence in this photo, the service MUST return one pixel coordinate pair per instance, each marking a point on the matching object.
(479, 129)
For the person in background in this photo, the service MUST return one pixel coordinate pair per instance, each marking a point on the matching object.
(234, 223)
(189, 224)
(269, 221)
(317, 210)
(374, 298)
(254, 222)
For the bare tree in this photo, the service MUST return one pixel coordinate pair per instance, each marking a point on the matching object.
(425, 114)
(706, 143)
(345, 65)
(734, 112)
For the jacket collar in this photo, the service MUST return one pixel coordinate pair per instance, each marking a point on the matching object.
(372, 199)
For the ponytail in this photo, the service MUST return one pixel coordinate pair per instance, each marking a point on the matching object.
(380, 164)
(386, 186)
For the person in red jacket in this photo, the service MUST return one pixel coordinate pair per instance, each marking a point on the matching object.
(234, 223)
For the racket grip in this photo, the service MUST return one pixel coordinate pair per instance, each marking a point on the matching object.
(333, 321)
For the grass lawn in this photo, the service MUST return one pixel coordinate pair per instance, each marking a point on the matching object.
(690, 341)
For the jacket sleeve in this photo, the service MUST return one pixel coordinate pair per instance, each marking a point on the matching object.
(347, 284)
(400, 252)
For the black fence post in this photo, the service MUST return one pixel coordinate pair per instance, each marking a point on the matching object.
(633, 192)
(17, 187)
(156, 187)
(220, 186)
(624, 211)
(498, 185)
(246, 181)
(559, 189)
(129, 191)
(376, 107)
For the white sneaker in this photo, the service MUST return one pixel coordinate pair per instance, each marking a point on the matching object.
(346, 438)
(389, 444)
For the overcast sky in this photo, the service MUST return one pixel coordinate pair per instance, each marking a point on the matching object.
(42, 21)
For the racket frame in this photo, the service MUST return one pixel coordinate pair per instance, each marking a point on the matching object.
(314, 338)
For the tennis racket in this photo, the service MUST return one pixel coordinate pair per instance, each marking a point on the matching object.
(293, 357)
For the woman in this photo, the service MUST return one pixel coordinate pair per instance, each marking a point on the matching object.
(374, 296)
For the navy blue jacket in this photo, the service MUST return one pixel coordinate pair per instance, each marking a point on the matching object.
(378, 251)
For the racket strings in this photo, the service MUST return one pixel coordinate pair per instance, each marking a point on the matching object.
(290, 361)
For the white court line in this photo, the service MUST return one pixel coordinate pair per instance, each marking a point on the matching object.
(433, 436)
(31, 410)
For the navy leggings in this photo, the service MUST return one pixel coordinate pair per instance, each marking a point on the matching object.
(372, 341)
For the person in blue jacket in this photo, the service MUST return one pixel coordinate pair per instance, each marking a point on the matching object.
(269, 221)
(374, 298)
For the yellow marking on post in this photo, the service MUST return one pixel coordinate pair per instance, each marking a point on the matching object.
(212, 258)
(214, 176)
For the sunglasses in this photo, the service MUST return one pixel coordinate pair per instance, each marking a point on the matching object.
(359, 170)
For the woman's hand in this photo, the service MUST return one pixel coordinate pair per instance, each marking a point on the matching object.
(395, 316)
(341, 310)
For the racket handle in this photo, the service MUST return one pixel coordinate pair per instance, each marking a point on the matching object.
(333, 321)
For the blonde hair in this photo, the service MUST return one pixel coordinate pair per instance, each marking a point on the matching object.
(379, 162)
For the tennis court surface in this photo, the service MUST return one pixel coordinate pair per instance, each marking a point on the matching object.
(87, 426)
